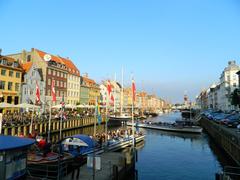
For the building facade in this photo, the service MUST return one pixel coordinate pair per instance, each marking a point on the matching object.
(31, 77)
(10, 80)
(73, 82)
(53, 69)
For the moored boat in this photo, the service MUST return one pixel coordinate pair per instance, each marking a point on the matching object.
(117, 120)
(169, 127)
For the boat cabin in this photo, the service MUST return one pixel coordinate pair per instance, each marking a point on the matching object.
(13, 156)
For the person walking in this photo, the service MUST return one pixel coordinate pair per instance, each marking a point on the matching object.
(76, 164)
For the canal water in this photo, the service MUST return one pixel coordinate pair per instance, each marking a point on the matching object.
(174, 156)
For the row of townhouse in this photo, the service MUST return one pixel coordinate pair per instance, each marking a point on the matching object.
(218, 95)
(123, 98)
(22, 72)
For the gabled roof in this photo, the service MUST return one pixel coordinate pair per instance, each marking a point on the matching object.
(72, 69)
(88, 80)
(53, 58)
(27, 66)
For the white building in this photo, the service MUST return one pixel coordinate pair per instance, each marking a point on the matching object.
(117, 94)
(32, 76)
(103, 94)
(228, 83)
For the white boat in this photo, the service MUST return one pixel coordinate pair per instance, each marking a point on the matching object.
(123, 143)
(183, 129)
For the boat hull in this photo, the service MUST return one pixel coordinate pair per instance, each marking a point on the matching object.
(194, 129)
(117, 121)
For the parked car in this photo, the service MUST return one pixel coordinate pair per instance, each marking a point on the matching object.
(231, 121)
(220, 116)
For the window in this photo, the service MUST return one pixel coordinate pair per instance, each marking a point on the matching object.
(61, 84)
(49, 71)
(25, 90)
(10, 84)
(10, 73)
(234, 85)
(48, 92)
(3, 72)
(2, 85)
(49, 82)
(57, 83)
(65, 84)
(9, 99)
(17, 87)
(28, 58)
(228, 78)
(17, 74)
(57, 73)
(54, 73)
(16, 100)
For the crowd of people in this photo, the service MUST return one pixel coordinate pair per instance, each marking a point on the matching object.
(115, 135)
(24, 118)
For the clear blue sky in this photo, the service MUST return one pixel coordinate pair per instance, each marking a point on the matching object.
(171, 46)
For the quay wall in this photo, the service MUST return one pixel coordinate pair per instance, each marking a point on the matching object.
(42, 127)
(228, 139)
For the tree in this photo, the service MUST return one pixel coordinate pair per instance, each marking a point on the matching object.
(235, 97)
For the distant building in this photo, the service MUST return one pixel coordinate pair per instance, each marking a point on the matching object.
(10, 80)
(89, 91)
(84, 91)
(218, 96)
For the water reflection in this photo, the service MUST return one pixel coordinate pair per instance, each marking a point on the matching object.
(170, 155)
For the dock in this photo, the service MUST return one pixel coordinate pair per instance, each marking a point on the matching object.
(114, 166)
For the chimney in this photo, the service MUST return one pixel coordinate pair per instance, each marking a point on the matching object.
(85, 75)
(231, 63)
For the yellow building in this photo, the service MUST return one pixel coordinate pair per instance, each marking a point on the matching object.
(10, 81)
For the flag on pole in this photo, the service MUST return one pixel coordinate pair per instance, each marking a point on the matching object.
(109, 90)
(53, 91)
(37, 93)
(133, 90)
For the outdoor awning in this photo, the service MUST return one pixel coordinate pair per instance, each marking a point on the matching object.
(25, 106)
(7, 105)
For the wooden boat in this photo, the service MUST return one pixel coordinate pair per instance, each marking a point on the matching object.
(169, 127)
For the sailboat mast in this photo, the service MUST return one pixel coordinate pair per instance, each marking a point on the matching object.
(114, 93)
(122, 94)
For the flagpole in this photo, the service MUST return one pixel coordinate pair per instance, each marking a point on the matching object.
(133, 134)
(0, 123)
(49, 121)
(114, 94)
(31, 124)
(106, 119)
(122, 97)
(96, 112)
